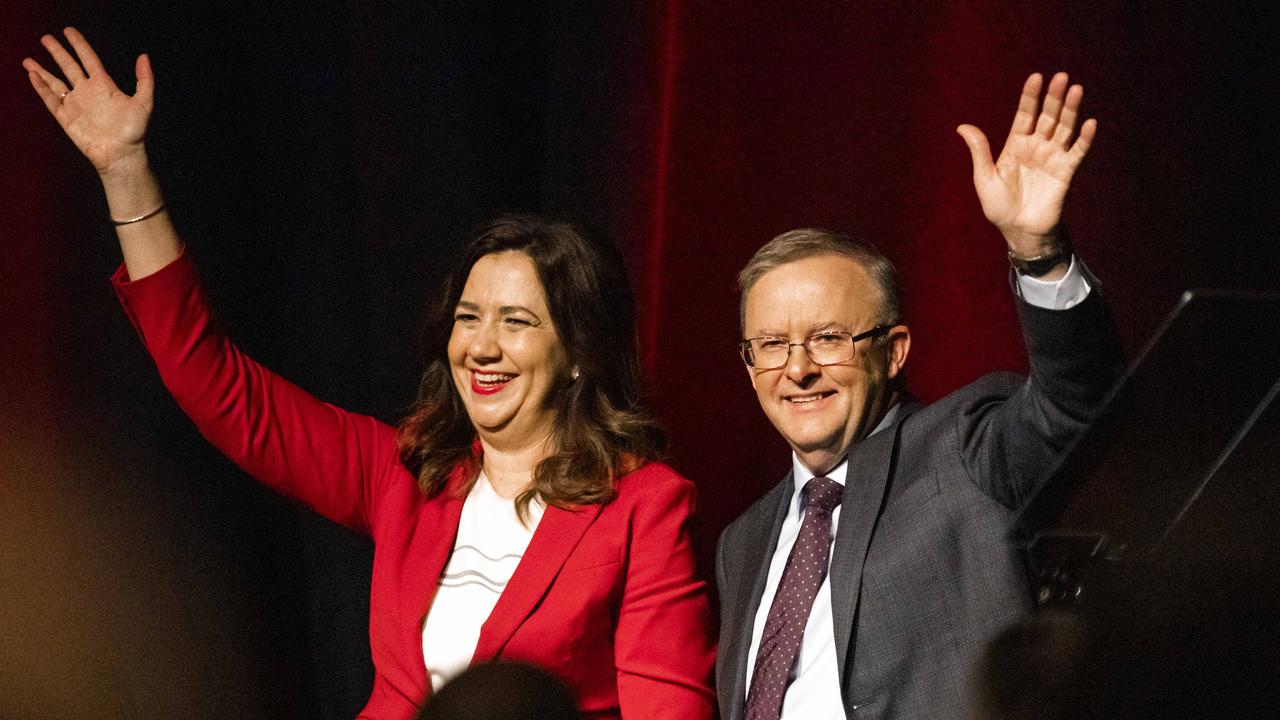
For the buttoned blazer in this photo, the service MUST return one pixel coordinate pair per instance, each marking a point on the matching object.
(922, 576)
(606, 597)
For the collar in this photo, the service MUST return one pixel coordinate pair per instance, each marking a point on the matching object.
(801, 475)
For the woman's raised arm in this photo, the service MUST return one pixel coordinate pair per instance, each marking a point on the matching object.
(336, 461)
(110, 127)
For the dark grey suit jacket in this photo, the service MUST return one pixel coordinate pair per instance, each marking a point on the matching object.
(922, 576)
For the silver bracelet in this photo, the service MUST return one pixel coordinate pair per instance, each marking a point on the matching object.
(140, 218)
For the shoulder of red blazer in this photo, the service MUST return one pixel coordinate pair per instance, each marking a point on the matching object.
(648, 478)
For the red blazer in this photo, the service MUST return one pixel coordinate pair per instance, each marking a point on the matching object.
(606, 597)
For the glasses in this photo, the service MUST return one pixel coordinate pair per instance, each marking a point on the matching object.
(824, 348)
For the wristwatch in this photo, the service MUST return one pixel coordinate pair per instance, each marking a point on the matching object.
(1045, 261)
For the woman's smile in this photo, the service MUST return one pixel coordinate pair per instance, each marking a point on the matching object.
(488, 383)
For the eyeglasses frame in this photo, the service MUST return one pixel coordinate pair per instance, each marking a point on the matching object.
(875, 332)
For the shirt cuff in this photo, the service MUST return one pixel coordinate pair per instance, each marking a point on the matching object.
(1061, 294)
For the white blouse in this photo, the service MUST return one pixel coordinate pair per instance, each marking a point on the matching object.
(490, 542)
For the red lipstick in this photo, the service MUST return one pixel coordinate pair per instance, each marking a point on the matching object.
(487, 388)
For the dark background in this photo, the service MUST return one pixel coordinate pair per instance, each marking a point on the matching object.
(324, 159)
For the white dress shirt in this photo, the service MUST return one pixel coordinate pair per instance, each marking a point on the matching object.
(814, 690)
(488, 547)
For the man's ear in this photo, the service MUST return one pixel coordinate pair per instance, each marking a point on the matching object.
(899, 345)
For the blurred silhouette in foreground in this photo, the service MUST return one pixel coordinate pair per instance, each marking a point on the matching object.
(1180, 638)
(502, 691)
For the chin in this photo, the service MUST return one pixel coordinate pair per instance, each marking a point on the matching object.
(813, 443)
(488, 419)
(814, 435)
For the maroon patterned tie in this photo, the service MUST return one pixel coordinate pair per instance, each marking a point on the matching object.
(803, 575)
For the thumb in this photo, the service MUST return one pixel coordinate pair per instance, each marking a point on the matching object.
(146, 80)
(979, 149)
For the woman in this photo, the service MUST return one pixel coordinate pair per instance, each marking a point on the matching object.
(516, 514)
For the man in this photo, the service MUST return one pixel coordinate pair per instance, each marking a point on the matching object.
(870, 578)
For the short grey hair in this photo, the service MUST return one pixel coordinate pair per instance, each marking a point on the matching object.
(805, 243)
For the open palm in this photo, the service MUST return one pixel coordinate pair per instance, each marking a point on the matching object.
(106, 124)
(1022, 191)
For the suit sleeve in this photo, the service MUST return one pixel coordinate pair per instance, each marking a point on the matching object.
(1009, 441)
(663, 647)
(328, 458)
(722, 577)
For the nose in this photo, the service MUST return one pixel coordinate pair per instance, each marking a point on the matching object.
(484, 346)
(800, 367)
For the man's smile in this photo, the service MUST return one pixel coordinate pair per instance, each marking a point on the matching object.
(809, 397)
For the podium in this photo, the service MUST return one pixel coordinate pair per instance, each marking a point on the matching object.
(1184, 458)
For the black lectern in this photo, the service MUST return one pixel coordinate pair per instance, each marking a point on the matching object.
(1185, 455)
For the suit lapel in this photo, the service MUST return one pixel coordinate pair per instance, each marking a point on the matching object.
(757, 549)
(557, 535)
(864, 491)
(428, 552)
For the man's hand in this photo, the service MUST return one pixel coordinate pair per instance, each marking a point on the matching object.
(1023, 190)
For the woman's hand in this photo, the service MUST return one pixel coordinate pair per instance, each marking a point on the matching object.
(107, 125)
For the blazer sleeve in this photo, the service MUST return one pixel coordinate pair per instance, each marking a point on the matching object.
(1009, 440)
(664, 651)
(330, 459)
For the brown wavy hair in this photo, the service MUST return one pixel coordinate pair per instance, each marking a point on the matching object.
(602, 429)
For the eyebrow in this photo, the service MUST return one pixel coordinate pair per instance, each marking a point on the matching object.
(814, 329)
(504, 310)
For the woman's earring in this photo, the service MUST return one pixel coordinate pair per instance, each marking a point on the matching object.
(573, 374)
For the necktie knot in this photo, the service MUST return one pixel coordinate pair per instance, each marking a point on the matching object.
(823, 493)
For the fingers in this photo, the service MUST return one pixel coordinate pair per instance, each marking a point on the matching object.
(979, 150)
(70, 68)
(1070, 110)
(1085, 141)
(88, 58)
(52, 98)
(1059, 112)
(146, 81)
(1025, 118)
(53, 82)
(1051, 109)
